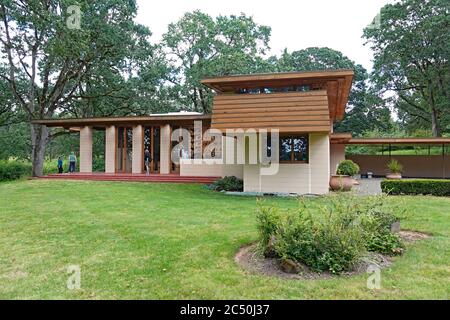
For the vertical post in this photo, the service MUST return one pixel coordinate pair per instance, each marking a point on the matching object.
(86, 150)
(165, 160)
(110, 149)
(137, 149)
(443, 161)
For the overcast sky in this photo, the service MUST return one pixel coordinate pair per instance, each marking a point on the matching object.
(296, 24)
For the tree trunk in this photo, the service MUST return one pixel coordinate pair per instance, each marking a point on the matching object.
(39, 136)
(435, 128)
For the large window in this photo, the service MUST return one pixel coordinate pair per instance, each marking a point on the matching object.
(294, 149)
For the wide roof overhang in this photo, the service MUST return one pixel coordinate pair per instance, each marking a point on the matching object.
(337, 83)
(75, 123)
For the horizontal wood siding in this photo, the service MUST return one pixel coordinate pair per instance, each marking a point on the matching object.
(289, 112)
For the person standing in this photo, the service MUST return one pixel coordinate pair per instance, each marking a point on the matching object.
(147, 160)
(60, 165)
(72, 162)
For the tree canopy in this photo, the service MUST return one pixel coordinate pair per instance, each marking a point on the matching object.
(365, 110)
(200, 46)
(411, 58)
(68, 71)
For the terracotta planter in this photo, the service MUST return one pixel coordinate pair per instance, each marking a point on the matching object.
(394, 176)
(341, 183)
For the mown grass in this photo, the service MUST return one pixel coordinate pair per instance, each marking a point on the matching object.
(169, 241)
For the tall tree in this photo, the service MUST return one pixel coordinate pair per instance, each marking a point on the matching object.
(365, 110)
(200, 46)
(411, 59)
(65, 66)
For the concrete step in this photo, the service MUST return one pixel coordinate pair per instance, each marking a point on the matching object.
(132, 178)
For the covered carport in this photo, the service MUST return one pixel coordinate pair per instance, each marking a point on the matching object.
(434, 162)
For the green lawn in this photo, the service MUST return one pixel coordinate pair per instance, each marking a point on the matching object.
(168, 241)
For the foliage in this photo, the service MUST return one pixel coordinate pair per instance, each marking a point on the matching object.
(377, 222)
(201, 46)
(394, 166)
(12, 170)
(417, 186)
(411, 49)
(15, 141)
(366, 111)
(347, 168)
(268, 219)
(385, 242)
(230, 183)
(336, 240)
(333, 244)
(55, 71)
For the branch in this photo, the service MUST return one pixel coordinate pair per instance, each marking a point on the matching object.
(11, 62)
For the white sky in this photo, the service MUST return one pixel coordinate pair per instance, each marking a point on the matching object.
(296, 24)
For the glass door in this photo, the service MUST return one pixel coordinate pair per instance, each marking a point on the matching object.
(124, 152)
(151, 147)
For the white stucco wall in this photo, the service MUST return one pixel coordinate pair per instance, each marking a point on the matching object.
(110, 149)
(137, 149)
(86, 150)
(206, 168)
(337, 154)
(165, 143)
(302, 178)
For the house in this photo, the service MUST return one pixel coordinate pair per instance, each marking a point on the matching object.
(253, 117)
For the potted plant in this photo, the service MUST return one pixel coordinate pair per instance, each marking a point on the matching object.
(395, 170)
(342, 180)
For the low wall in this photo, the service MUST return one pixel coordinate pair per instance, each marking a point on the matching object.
(413, 166)
(208, 169)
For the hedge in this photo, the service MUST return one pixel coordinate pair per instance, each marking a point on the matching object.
(417, 186)
(11, 170)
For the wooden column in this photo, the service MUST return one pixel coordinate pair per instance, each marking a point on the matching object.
(86, 150)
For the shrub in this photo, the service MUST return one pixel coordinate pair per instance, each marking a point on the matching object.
(377, 221)
(336, 239)
(332, 244)
(14, 169)
(417, 186)
(385, 242)
(51, 166)
(394, 166)
(98, 164)
(347, 168)
(268, 219)
(228, 184)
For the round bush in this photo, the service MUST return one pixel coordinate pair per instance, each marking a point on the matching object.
(347, 168)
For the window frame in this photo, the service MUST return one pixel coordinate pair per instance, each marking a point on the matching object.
(292, 152)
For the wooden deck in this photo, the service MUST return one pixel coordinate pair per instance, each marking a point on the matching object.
(125, 177)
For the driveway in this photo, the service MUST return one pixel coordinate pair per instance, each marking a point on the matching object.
(368, 186)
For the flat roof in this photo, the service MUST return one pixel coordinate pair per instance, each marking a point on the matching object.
(340, 138)
(215, 82)
(399, 141)
(168, 118)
